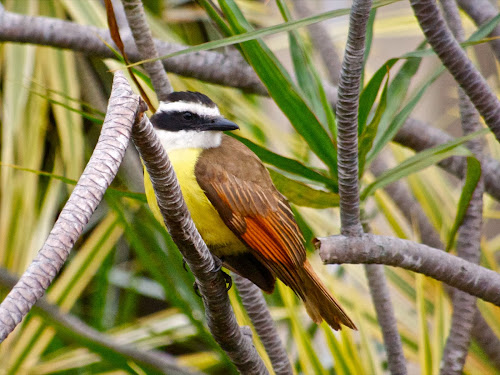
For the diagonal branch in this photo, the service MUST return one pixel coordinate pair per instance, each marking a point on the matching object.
(136, 17)
(74, 329)
(100, 171)
(456, 61)
(229, 70)
(220, 317)
(255, 305)
(371, 249)
(481, 11)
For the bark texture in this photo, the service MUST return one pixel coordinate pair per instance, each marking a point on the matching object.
(100, 171)
(220, 317)
(371, 249)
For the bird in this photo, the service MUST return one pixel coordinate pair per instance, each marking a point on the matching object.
(243, 219)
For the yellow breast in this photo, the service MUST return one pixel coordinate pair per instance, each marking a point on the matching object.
(214, 232)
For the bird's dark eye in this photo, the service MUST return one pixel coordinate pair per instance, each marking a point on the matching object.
(187, 116)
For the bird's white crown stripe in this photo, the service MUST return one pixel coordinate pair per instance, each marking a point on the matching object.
(181, 106)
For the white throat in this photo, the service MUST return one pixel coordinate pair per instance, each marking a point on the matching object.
(189, 139)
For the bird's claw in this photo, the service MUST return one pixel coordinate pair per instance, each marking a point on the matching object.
(228, 281)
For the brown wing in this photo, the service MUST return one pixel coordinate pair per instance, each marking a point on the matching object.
(253, 209)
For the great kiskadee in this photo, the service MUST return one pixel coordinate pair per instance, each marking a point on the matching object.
(239, 213)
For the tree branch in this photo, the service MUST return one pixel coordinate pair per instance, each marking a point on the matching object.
(220, 317)
(469, 233)
(100, 171)
(457, 63)
(347, 140)
(134, 11)
(347, 119)
(229, 70)
(414, 214)
(481, 11)
(371, 249)
(255, 305)
(75, 330)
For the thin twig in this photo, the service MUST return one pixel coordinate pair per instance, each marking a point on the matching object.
(456, 61)
(100, 171)
(371, 249)
(256, 307)
(75, 330)
(136, 17)
(220, 317)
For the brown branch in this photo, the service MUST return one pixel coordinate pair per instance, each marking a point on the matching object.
(457, 62)
(229, 70)
(136, 17)
(75, 330)
(347, 119)
(469, 234)
(100, 171)
(481, 11)
(256, 307)
(412, 211)
(371, 249)
(220, 317)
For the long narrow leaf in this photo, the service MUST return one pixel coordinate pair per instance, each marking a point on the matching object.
(301, 194)
(283, 90)
(287, 164)
(422, 160)
(471, 179)
(385, 136)
(257, 34)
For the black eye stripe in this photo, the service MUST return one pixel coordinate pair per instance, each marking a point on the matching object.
(178, 120)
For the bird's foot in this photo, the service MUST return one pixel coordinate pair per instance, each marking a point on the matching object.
(228, 280)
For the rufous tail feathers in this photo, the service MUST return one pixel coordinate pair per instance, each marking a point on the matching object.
(320, 304)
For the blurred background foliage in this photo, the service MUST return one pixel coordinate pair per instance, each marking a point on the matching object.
(125, 276)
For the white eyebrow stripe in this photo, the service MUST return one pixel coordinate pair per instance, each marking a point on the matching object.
(196, 108)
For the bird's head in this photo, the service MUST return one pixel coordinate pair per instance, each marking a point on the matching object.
(190, 120)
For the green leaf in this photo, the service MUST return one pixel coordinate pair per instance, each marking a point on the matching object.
(97, 119)
(471, 179)
(422, 160)
(368, 41)
(370, 132)
(304, 69)
(370, 92)
(141, 197)
(386, 136)
(286, 164)
(283, 90)
(424, 342)
(308, 78)
(302, 195)
(257, 34)
(478, 37)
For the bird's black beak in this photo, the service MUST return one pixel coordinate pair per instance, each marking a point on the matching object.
(220, 124)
